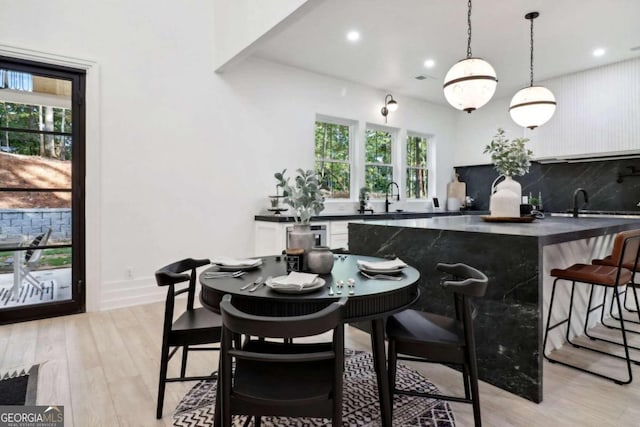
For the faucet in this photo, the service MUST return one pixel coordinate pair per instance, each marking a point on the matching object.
(386, 196)
(575, 200)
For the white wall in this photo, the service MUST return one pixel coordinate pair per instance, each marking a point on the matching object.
(180, 158)
(239, 23)
(598, 113)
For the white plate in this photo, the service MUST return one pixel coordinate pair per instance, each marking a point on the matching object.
(228, 267)
(380, 270)
(316, 284)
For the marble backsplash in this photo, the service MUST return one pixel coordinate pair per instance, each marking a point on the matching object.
(557, 182)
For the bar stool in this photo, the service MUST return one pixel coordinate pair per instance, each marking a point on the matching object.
(629, 264)
(626, 247)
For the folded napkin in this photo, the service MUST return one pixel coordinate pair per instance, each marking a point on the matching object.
(236, 262)
(294, 280)
(382, 265)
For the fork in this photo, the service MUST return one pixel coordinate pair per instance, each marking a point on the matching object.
(255, 288)
(255, 282)
(380, 276)
(219, 274)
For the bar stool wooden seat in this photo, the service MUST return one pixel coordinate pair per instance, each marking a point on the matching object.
(625, 249)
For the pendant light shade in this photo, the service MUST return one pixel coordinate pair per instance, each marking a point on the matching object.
(532, 106)
(471, 82)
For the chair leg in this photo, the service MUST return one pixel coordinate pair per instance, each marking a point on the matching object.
(392, 367)
(473, 380)
(164, 362)
(258, 421)
(185, 354)
(465, 378)
(568, 321)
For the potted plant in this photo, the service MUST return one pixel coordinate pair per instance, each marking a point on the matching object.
(304, 195)
(306, 199)
(510, 158)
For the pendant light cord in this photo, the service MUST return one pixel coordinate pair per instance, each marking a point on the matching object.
(469, 30)
(531, 66)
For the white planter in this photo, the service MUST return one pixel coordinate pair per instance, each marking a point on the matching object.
(505, 201)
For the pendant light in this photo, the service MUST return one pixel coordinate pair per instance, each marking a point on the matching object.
(534, 105)
(471, 82)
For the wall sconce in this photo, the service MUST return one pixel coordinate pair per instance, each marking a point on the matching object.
(390, 104)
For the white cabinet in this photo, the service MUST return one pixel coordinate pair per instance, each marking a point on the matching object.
(269, 238)
(339, 233)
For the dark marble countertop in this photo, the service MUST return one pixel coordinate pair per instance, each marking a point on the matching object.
(371, 216)
(548, 231)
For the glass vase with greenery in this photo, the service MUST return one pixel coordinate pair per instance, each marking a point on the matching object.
(509, 157)
(304, 195)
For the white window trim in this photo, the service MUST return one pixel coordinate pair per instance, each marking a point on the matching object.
(395, 158)
(353, 128)
(430, 165)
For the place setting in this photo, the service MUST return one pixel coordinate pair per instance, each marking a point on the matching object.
(232, 267)
(383, 270)
(295, 283)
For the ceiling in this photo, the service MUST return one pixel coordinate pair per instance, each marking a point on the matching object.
(397, 36)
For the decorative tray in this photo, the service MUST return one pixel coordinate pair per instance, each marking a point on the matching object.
(489, 218)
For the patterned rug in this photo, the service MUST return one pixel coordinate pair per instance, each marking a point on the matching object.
(19, 386)
(360, 405)
(28, 294)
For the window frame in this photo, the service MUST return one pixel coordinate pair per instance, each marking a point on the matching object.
(393, 132)
(352, 125)
(429, 164)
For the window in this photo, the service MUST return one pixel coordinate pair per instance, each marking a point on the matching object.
(333, 164)
(417, 172)
(378, 162)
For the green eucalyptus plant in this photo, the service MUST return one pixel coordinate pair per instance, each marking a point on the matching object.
(510, 158)
(304, 195)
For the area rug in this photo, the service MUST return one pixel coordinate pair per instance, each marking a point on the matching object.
(360, 405)
(19, 386)
(28, 294)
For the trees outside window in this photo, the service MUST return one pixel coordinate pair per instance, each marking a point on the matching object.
(378, 162)
(417, 182)
(332, 154)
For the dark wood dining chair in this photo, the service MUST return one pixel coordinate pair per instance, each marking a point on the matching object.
(429, 337)
(281, 379)
(194, 327)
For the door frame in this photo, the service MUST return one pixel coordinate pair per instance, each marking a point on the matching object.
(77, 304)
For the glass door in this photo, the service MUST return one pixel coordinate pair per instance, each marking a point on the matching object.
(41, 190)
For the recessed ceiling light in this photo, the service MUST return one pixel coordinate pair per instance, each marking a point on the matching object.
(598, 52)
(429, 63)
(353, 36)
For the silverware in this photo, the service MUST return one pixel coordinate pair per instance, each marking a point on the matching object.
(259, 284)
(380, 276)
(255, 282)
(221, 274)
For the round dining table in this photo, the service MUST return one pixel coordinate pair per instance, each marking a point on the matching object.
(369, 299)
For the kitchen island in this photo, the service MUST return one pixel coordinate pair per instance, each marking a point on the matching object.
(517, 258)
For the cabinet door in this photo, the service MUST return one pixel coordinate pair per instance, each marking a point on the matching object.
(269, 238)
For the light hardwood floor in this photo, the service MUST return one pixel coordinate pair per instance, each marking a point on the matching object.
(103, 368)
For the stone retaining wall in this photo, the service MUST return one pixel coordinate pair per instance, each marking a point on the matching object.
(31, 222)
